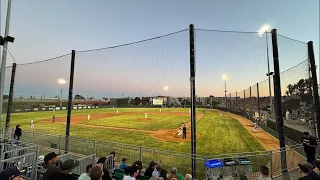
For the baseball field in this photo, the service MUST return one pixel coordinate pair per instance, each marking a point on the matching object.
(215, 134)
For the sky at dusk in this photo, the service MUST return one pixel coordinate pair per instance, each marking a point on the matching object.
(51, 28)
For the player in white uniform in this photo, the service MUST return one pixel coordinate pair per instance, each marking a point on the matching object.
(255, 127)
(180, 133)
(32, 124)
(88, 117)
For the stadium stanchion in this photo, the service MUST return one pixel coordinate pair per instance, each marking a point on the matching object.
(94, 147)
(236, 105)
(9, 108)
(315, 87)
(258, 102)
(59, 144)
(193, 100)
(140, 153)
(244, 102)
(73, 54)
(278, 101)
(230, 102)
(250, 105)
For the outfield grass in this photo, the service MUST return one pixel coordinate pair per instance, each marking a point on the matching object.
(219, 135)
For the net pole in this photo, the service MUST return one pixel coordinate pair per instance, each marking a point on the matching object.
(193, 100)
(9, 108)
(277, 95)
(314, 86)
(4, 60)
(73, 54)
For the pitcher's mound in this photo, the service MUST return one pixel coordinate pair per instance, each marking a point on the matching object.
(171, 135)
(144, 119)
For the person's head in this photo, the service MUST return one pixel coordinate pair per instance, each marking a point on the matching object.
(138, 164)
(12, 173)
(103, 161)
(188, 177)
(68, 165)
(306, 134)
(264, 171)
(307, 165)
(96, 173)
(158, 167)
(17, 126)
(152, 164)
(316, 163)
(124, 160)
(133, 171)
(303, 169)
(163, 172)
(50, 159)
(174, 170)
(114, 154)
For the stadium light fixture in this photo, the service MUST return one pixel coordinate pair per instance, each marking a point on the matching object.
(224, 77)
(165, 88)
(61, 81)
(264, 30)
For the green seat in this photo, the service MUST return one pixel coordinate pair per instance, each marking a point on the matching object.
(119, 171)
(118, 176)
(143, 177)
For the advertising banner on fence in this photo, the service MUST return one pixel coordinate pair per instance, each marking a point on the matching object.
(158, 101)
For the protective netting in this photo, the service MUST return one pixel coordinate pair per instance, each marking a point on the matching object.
(234, 103)
(135, 74)
(240, 56)
(254, 102)
(39, 86)
(247, 103)
(7, 80)
(241, 102)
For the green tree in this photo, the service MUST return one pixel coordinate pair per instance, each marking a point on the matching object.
(5, 96)
(136, 101)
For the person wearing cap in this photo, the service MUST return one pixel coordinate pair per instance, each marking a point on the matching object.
(313, 175)
(150, 169)
(264, 173)
(304, 172)
(123, 165)
(50, 161)
(132, 173)
(11, 174)
(310, 144)
(66, 170)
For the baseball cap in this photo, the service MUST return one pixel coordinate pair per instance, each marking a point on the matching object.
(10, 173)
(69, 164)
(124, 159)
(303, 168)
(49, 156)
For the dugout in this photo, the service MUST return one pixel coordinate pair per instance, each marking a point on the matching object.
(119, 102)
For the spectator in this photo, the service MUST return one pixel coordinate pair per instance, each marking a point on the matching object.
(156, 171)
(174, 174)
(163, 174)
(150, 169)
(96, 173)
(114, 159)
(188, 177)
(139, 166)
(304, 172)
(132, 173)
(11, 174)
(84, 176)
(17, 132)
(66, 170)
(310, 144)
(106, 174)
(264, 173)
(313, 175)
(316, 163)
(123, 165)
(50, 161)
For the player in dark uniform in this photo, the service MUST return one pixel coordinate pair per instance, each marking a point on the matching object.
(184, 131)
(310, 144)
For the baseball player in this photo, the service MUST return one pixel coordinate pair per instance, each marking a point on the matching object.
(180, 133)
(220, 115)
(32, 124)
(255, 127)
(88, 117)
(53, 118)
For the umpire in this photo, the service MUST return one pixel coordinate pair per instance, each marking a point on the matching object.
(184, 131)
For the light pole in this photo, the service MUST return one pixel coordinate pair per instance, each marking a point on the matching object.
(61, 82)
(224, 77)
(185, 100)
(264, 30)
(165, 94)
